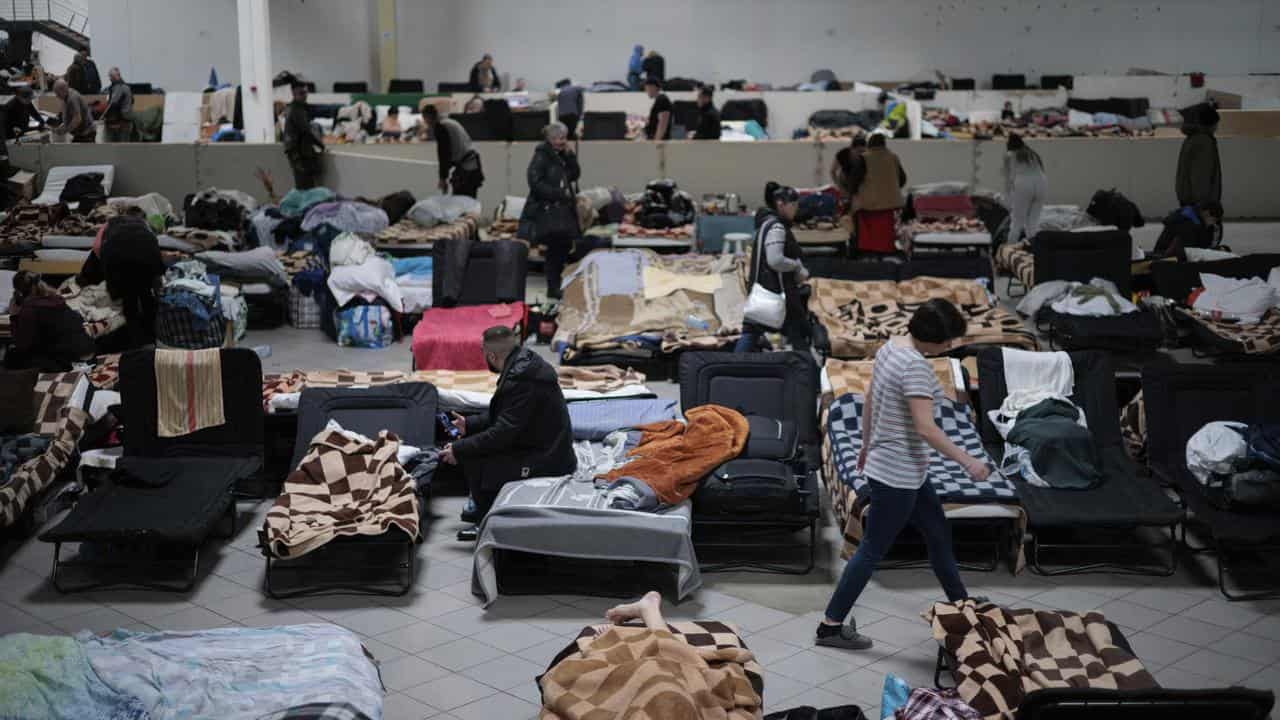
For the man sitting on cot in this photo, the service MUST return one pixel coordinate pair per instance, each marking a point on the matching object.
(524, 434)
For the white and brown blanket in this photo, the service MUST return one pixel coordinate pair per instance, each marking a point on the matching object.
(344, 485)
(33, 476)
(690, 670)
(1003, 654)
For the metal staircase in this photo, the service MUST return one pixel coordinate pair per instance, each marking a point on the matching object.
(62, 21)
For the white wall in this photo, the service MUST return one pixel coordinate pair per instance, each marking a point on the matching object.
(54, 56)
(783, 42)
(172, 44)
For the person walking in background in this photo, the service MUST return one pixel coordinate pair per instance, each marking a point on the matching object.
(77, 120)
(460, 170)
(117, 120)
(550, 215)
(779, 269)
(1199, 176)
(898, 435)
(484, 76)
(570, 104)
(75, 74)
(659, 125)
(635, 68)
(876, 177)
(92, 78)
(654, 67)
(708, 117)
(301, 145)
(1026, 187)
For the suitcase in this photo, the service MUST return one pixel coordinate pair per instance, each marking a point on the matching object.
(775, 387)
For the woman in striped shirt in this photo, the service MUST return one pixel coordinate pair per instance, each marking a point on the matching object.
(898, 436)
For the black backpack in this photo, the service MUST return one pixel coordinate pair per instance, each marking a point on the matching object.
(1111, 207)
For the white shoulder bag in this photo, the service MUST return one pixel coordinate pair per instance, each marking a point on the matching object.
(764, 307)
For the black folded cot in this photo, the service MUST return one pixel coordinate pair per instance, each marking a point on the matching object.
(166, 492)
(358, 564)
(1182, 398)
(1125, 503)
(963, 267)
(762, 504)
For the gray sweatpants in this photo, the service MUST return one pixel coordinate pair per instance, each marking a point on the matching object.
(1025, 203)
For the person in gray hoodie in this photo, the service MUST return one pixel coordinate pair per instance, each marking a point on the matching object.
(1026, 187)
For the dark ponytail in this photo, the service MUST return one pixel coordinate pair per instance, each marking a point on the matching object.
(775, 193)
(769, 189)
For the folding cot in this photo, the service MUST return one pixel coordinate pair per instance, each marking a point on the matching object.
(1102, 680)
(755, 515)
(638, 308)
(166, 491)
(1182, 398)
(1081, 256)
(991, 509)
(1213, 336)
(408, 237)
(1125, 502)
(475, 285)
(359, 560)
(852, 319)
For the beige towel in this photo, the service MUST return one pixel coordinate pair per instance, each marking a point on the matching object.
(660, 283)
(188, 391)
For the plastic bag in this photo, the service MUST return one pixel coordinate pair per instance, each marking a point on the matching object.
(1215, 449)
(365, 326)
(893, 696)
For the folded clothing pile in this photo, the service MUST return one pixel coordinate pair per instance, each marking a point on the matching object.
(1238, 464)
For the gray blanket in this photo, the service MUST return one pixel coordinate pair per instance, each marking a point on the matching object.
(569, 517)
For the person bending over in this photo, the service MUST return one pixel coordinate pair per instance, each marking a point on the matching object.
(898, 435)
(460, 169)
(47, 335)
(525, 432)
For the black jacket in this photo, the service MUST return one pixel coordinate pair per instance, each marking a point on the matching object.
(48, 335)
(299, 141)
(526, 432)
(708, 123)
(768, 277)
(551, 175)
(1181, 232)
(17, 116)
(1199, 174)
(477, 78)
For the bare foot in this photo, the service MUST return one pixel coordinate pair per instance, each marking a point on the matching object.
(647, 608)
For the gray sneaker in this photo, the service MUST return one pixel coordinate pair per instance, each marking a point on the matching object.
(848, 638)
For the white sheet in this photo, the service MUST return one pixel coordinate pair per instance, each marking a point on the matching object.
(60, 255)
(57, 179)
(375, 275)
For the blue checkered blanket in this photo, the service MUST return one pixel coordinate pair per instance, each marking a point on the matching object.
(950, 481)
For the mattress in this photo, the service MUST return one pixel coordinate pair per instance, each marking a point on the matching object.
(85, 242)
(859, 317)
(449, 338)
(567, 517)
(56, 181)
(958, 239)
(631, 241)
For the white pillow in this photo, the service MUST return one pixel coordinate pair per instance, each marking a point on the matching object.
(374, 276)
(512, 207)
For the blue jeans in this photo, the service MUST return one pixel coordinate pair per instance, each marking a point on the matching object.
(891, 510)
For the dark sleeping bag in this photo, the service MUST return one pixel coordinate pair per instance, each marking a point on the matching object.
(1062, 453)
(1132, 332)
(85, 187)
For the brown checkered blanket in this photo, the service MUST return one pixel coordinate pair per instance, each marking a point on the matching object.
(26, 225)
(601, 378)
(53, 390)
(6, 326)
(861, 315)
(408, 232)
(1016, 259)
(33, 476)
(691, 670)
(1004, 654)
(342, 486)
(590, 322)
(1260, 338)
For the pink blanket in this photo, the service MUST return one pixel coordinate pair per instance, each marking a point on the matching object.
(449, 338)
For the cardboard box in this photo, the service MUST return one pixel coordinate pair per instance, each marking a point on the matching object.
(23, 185)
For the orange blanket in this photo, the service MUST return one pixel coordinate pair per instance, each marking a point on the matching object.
(673, 457)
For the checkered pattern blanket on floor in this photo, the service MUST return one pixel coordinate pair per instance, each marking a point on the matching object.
(1003, 654)
(606, 668)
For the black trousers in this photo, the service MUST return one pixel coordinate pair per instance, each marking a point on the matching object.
(306, 173)
(466, 182)
(558, 250)
(570, 121)
(475, 471)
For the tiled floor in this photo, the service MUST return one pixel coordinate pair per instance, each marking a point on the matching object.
(443, 656)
